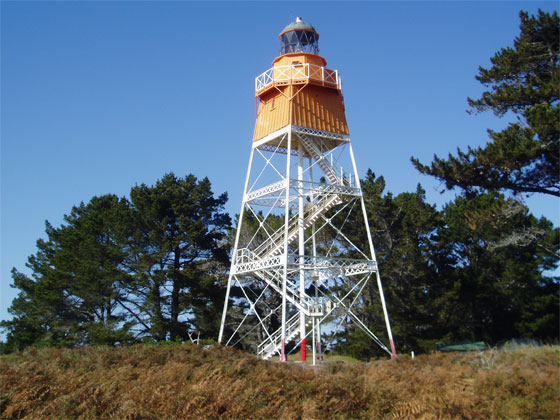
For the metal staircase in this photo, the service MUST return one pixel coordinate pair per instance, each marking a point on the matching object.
(301, 300)
(271, 345)
(313, 210)
(321, 160)
(274, 244)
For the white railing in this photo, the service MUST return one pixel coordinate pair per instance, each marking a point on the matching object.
(298, 73)
(323, 188)
(272, 343)
(266, 190)
(321, 133)
(247, 261)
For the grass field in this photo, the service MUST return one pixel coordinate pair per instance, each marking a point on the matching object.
(186, 381)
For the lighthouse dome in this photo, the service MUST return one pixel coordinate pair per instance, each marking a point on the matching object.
(299, 36)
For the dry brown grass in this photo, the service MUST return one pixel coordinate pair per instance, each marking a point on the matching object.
(168, 382)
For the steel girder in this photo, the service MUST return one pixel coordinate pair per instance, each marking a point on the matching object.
(268, 265)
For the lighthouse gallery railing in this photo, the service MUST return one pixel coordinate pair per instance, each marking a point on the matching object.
(298, 73)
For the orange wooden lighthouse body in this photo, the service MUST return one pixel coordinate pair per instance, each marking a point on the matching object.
(302, 185)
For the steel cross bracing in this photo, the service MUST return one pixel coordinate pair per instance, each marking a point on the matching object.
(329, 305)
(283, 257)
(271, 345)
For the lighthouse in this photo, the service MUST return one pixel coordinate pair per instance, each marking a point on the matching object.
(295, 271)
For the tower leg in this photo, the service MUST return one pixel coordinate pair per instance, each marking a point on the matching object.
(379, 286)
(301, 233)
(283, 357)
(387, 323)
(221, 334)
(238, 231)
(313, 344)
(319, 354)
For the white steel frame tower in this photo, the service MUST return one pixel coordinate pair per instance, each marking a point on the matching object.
(289, 271)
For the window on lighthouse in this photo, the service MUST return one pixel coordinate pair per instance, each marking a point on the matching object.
(299, 41)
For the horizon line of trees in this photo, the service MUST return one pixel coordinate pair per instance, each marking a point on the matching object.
(123, 270)
(153, 267)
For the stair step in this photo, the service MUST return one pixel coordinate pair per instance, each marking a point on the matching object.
(327, 168)
(273, 347)
(324, 206)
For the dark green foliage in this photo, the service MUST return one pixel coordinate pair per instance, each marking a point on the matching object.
(492, 283)
(73, 295)
(153, 269)
(475, 271)
(402, 228)
(118, 271)
(179, 252)
(525, 80)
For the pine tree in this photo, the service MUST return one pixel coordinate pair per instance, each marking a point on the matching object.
(402, 227)
(118, 271)
(490, 290)
(178, 257)
(524, 80)
(73, 295)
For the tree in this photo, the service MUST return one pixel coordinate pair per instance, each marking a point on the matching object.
(73, 295)
(118, 271)
(455, 274)
(523, 79)
(489, 290)
(402, 227)
(177, 258)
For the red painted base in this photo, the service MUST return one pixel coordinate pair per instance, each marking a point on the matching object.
(303, 349)
(393, 350)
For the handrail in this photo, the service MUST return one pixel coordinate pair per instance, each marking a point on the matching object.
(298, 72)
(312, 210)
(271, 342)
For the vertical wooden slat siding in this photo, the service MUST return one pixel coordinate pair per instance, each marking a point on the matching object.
(320, 108)
(313, 107)
(269, 118)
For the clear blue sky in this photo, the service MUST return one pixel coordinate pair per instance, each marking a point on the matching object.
(99, 96)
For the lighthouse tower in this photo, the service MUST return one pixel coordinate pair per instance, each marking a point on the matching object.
(295, 269)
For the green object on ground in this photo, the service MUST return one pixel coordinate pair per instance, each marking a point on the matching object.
(461, 346)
